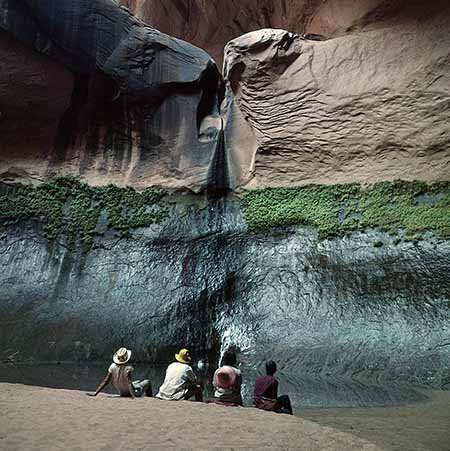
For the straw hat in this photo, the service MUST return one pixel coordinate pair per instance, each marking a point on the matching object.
(225, 377)
(183, 356)
(122, 356)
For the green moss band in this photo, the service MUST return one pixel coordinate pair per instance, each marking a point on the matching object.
(414, 207)
(71, 208)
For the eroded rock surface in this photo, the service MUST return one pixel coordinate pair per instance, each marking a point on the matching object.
(144, 108)
(34, 94)
(210, 25)
(336, 308)
(367, 107)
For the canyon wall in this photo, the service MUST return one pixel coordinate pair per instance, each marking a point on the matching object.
(361, 108)
(346, 93)
(143, 110)
(346, 308)
(210, 25)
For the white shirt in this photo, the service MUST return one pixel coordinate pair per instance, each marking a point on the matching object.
(179, 377)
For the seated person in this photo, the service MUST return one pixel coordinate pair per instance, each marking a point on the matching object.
(180, 381)
(227, 381)
(120, 375)
(266, 392)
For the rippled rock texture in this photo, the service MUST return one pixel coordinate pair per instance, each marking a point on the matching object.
(362, 306)
(366, 107)
(143, 109)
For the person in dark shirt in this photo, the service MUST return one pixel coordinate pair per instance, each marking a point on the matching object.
(265, 393)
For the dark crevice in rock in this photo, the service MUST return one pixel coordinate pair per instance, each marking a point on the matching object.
(219, 182)
(69, 124)
(211, 86)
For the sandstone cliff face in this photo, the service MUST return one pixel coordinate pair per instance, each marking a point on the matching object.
(143, 110)
(369, 107)
(211, 24)
(34, 94)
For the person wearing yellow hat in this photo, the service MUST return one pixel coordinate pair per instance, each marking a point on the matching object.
(180, 381)
(120, 374)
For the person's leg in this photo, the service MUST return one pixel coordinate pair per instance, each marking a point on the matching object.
(146, 387)
(195, 390)
(137, 389)
(285, 404)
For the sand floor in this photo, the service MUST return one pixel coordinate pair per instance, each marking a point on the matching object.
(419, 427)
(35, 418)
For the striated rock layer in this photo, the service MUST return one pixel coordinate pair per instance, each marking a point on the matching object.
(143, 109)
(361, 108)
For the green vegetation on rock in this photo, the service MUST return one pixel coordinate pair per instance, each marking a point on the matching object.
(413, 207)
(71, 208)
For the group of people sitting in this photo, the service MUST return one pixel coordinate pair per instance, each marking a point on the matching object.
(181, 382)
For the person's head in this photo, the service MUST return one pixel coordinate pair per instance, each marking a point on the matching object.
(271, 367)
(122, 356)
(183, 356)
(229, 358)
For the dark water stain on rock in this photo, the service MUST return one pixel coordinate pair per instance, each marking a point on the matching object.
(338, 308)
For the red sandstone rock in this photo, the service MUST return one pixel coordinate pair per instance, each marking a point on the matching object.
(370, 105)
(144, 108)
(34, 93)
(211, 24)
(362, 108)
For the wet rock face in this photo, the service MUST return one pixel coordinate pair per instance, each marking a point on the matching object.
(341, 308)
(144, 108)
(365, 108)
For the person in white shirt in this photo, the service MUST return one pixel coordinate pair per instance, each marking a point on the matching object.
(119, 373)
(180, 381)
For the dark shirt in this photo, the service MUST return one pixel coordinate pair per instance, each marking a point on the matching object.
(265, 387)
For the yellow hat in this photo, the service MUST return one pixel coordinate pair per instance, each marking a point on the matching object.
(183, 356)
(122, 356)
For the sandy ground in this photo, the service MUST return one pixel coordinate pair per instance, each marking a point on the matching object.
(35, 418)
(419, 427)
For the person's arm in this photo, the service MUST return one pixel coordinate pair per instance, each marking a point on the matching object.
(215, 379)
(275, 389)
(191, 377)
(130, 384)
(102, 385)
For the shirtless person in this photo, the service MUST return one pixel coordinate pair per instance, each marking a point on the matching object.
(119, 373)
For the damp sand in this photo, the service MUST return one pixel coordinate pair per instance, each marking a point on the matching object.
(419, 427)
(36, 418)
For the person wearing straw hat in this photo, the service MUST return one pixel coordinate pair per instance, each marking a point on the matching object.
(119, 373)
(180, 381)
(228, 381)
